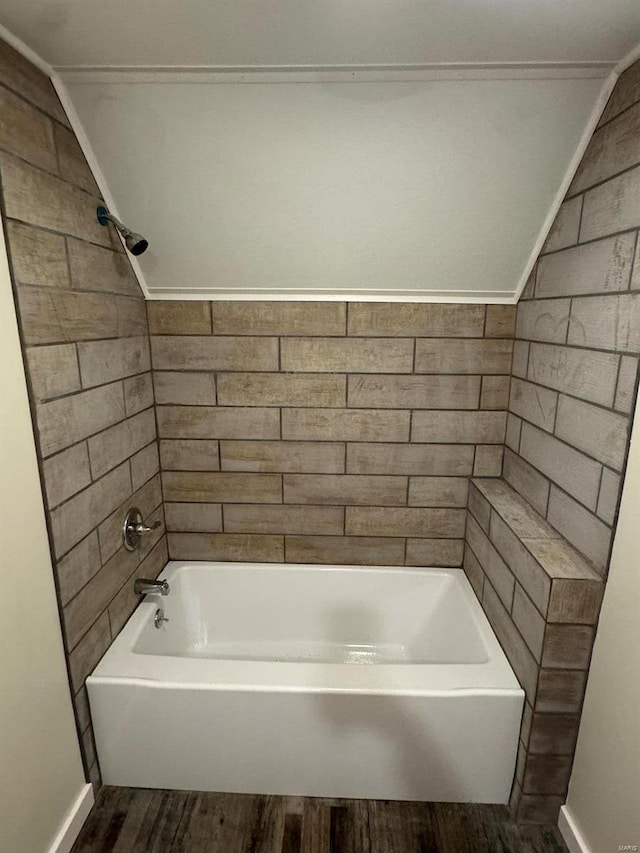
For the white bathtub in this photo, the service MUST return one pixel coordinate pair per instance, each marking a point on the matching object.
(329, 681)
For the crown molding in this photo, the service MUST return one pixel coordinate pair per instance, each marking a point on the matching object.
(213, 294)
(335, 74)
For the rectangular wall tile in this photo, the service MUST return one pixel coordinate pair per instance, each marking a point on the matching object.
(68, 420)
(564, 231)
(473, 571)
(73, 166)
(184, 388)
(479, 507)
(553, 734)
(463, 356)
(419, 459)
(603, 266)
(613, 206)
(567, 646)
(73, 520)
(612, 149)
(138, 393)
(586, 532)
(526, 569)
(500, 321)
(189, 455)
(193, 518)
(492, 564)
(343, 489)
(83, 610)
(414, 392)
(29, 82)
(495, 392)
(172, 317)
(281, 389)
(520, 359)
(533, 403)
(626, 93)
(26, 132)
(344, 425)
(78, 567)
(104, 361)
(208, 422)
(101, 269)
(598, 432)
(445, 553)
(529, 622)
(526, 480)
(214, 353)
(38, 257)
(235, 547)
(204, 487)
(38, 198)
(144, 465)
(543, 320)
(488, 460)
(385, 521)
(345, 550)
(523, 663)
(329, 355)
(53, 371)
(437, 491)
(292, 519)
(512, 436)
(560, 691)
(420, 320)
(279, 318)
(66, 473)
(517, 512)
(582, 373)
(89, 650)
(460, 427)
(285, 456)
(119, 442)
(571, 470)
(51, 316)
(606, 322)
(608, 496)
(625, 389)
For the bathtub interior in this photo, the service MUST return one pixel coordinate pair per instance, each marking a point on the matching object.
(312, 614)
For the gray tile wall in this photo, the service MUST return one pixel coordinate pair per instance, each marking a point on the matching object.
(542, 598)
(326, 432)
(578, 340)
(84, 329)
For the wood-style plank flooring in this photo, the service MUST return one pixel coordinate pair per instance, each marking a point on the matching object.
(135, 820)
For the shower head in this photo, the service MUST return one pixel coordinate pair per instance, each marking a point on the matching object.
(135, 243)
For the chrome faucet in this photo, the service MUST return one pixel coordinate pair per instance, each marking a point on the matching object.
(143, 586)
(134, 528)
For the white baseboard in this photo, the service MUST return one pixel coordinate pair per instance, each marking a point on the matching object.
(73, 822)
(569, 831)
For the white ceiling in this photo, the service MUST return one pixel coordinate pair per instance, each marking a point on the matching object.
(322, 32)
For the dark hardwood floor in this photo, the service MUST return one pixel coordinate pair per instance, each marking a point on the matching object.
(135, 820)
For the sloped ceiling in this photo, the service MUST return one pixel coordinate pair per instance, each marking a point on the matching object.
(322, 32)
(295, 148)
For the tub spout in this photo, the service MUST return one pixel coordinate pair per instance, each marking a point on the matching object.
(142, 586)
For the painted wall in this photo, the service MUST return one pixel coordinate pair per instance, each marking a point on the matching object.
(83, 325)
(350, 188)
(41, 773)
(603, 792)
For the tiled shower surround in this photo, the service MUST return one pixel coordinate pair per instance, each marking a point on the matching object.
(84, 331)
(573, 387)
(333, 432)
(326, 432)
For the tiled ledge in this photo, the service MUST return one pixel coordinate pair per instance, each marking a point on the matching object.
(542, 599)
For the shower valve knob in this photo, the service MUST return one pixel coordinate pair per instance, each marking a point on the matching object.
(134, 527)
